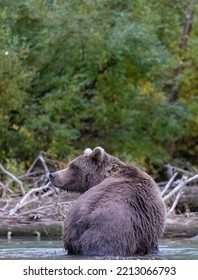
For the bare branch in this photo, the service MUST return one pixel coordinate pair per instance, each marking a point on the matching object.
(32, 165)
(14, 178)
(175, 168)
(29, 176)
(7, 202)
(22, 203)
(189, 180)
(45, 207)
(183, 182)
(42, 160)
(5, 189)
(169, 183)
(33, 191)
(176, 200)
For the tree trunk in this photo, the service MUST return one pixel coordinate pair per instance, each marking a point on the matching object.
(183, 46)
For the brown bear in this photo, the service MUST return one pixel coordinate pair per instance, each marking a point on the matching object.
(120, 213)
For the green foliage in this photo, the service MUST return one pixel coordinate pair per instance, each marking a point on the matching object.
(82, 73)
(14, 167)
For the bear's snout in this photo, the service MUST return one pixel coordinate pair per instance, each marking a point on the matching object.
(60, 178)
(52, 176)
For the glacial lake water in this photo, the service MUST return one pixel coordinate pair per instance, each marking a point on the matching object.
(31, 248)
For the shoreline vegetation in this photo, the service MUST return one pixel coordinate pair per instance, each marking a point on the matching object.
(31, 206)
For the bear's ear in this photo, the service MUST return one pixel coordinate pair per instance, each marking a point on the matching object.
(98, 154)
(87, 152)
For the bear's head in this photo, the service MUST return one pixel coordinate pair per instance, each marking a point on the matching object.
(86, 171)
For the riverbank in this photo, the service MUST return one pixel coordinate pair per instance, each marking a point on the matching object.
(177, 226)
(43, 216)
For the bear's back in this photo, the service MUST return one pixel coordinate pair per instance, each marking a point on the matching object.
(123, 215)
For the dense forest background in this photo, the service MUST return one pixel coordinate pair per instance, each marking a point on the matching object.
(116, 73)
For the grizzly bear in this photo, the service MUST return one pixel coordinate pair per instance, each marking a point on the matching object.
(120, 213)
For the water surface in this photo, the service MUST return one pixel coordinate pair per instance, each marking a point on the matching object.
(31, 248)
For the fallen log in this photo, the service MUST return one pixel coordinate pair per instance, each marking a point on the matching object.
(176, 226)
(181, 226)
(11, 228)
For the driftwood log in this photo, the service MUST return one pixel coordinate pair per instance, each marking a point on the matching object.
(181, 226)
(10, 227)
